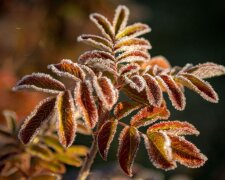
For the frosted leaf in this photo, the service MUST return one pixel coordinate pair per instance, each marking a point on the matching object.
(136, 82)
(66, 68)
(133, 56)
(129, 69)
(84, 101)
(201, 87)
(66, 122)
(105, 91)
(175, 128)
(159, 150)
(96, 41)
(175, 93)
(129, 141)
(159, 61)
(103, 25)
(133, 31)
(38, 117)
(120, 18)
(153, 91)
(40, 82)
(131, 44)
(207, 70)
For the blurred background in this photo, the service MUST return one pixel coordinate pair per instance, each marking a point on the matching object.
(35, 33)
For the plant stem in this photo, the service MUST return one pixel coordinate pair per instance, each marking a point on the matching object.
(85, 169)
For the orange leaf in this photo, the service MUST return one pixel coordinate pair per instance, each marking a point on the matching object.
(159, 151)
(186, 153)
(105, 137)
(36, 120)
(159, 61)
(66, 120)
(85, 103)
(174, 127)
(123, 109)
(150, 114)
(128, 146)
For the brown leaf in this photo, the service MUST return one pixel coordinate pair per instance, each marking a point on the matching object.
(105, 91)
(123, 109)
(67, 68)
(129, 69)
(201, 87)
(105, 137)
(96, 41)
(84, 101)
(136, 82)
(175, 93)
(36, 120)
(66, 120)
(174, 127)
(132, 31)
(153, 91)
(159, 150)
(103, 25)
(40, 82)
(128, 146)
(133, 56)
(186, 153)
(120, 18)
(150, 114)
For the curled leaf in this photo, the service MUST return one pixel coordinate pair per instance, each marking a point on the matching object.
(136, 82)
(150, 114)
(40, 82)
(129, 69)
(128, 146)
(159, 150)
(36, 120)
(66, 122)
(105, 137)
(133, 56)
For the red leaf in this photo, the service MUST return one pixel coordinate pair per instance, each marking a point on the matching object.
(133, 56)
(105, 137)
(66, 121)
(105, 91)
(186, 153)
(123, 109)
(120, 18)
(203, 88)
(153, 91)
(159, 150)
(175, 94)
(150, 114)
(69, 69)
(136, 82)
(175, 127)
(36, 120)
(129, 69)
(85, 102)
(128, 146)
(40, 82)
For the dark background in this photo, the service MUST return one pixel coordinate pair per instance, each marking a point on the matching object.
(39, 32)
